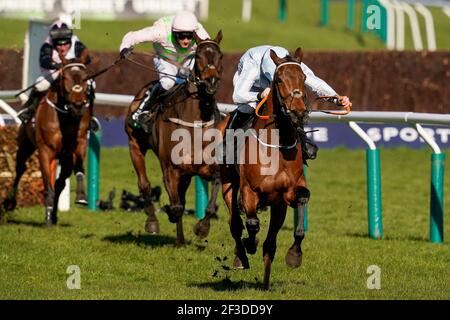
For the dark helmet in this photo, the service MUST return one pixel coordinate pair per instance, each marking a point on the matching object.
(60, 33)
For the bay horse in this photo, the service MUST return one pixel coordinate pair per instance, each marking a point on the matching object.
(286, 112)
(188, 107)
(60, 120)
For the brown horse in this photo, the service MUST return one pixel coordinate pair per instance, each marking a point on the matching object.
(190, 108)
(60, 117)
(278, 183)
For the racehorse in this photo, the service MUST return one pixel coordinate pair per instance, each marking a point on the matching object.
(59, 122)
(188, 107)
(286, 112)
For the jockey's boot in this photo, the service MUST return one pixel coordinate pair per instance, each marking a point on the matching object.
(238, 120)
(145, 111)
(309, 148)
(27, 111)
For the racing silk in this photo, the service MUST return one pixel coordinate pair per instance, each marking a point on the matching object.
(249, 79)
(49, 58)
(164, 43)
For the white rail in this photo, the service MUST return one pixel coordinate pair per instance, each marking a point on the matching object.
(120, 100)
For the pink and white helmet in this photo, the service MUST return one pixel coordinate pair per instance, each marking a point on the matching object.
(184, 21)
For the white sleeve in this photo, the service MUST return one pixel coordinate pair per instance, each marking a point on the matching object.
(242, 88)
(149, 34)
(316, 84)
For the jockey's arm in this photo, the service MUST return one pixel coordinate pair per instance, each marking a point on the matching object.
(242, 88)
(321, 88)
(46, 58)
(149, 34)
(317, 85)
(81, 49)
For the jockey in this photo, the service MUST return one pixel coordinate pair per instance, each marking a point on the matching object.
(174, 46)
(252, 82)
(60, 40)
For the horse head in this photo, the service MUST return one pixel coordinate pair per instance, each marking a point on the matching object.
(208, 63)
(288, 87)
(73, 84)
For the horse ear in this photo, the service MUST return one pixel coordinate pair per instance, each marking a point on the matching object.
(275, 58)
(83, 57)
(218, 37)
(298, 55)
(197, 38)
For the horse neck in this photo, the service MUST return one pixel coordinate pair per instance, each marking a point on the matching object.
(199, 105)
(287, 131)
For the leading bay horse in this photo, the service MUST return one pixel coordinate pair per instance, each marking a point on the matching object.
(191, 108)
(285, 186)
(60, 121)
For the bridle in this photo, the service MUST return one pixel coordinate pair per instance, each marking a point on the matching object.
(195, 78)
(295, 93)
(70, 107)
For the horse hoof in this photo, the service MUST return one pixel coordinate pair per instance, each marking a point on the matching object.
(9, 204)
(238, 264)
(152, 227)
(82, 202)
(294, 258)
(250, 246)
(201, 229)
(180, 244)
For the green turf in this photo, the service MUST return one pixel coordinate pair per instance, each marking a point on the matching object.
(302, 28)
(118, 260)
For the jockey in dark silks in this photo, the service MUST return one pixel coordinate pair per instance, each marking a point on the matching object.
(60, 40)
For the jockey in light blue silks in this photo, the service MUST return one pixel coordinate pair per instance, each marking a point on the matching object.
(252, 82)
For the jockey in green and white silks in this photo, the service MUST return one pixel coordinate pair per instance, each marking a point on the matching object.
(252, 82)
(174, 48)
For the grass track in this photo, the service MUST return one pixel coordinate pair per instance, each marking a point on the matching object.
(119, 261)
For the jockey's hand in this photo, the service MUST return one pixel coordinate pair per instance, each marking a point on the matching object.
(125, 52)
(263, 93)
(344, 101)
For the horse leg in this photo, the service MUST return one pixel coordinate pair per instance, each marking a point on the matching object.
(26, 149)
(79, 154)
(230, 188)
(294, 254)
(176, 186)
(250, 202)
(66, 164)
(46, 156)
(138, 158)
(201, 228)
(277, 216)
